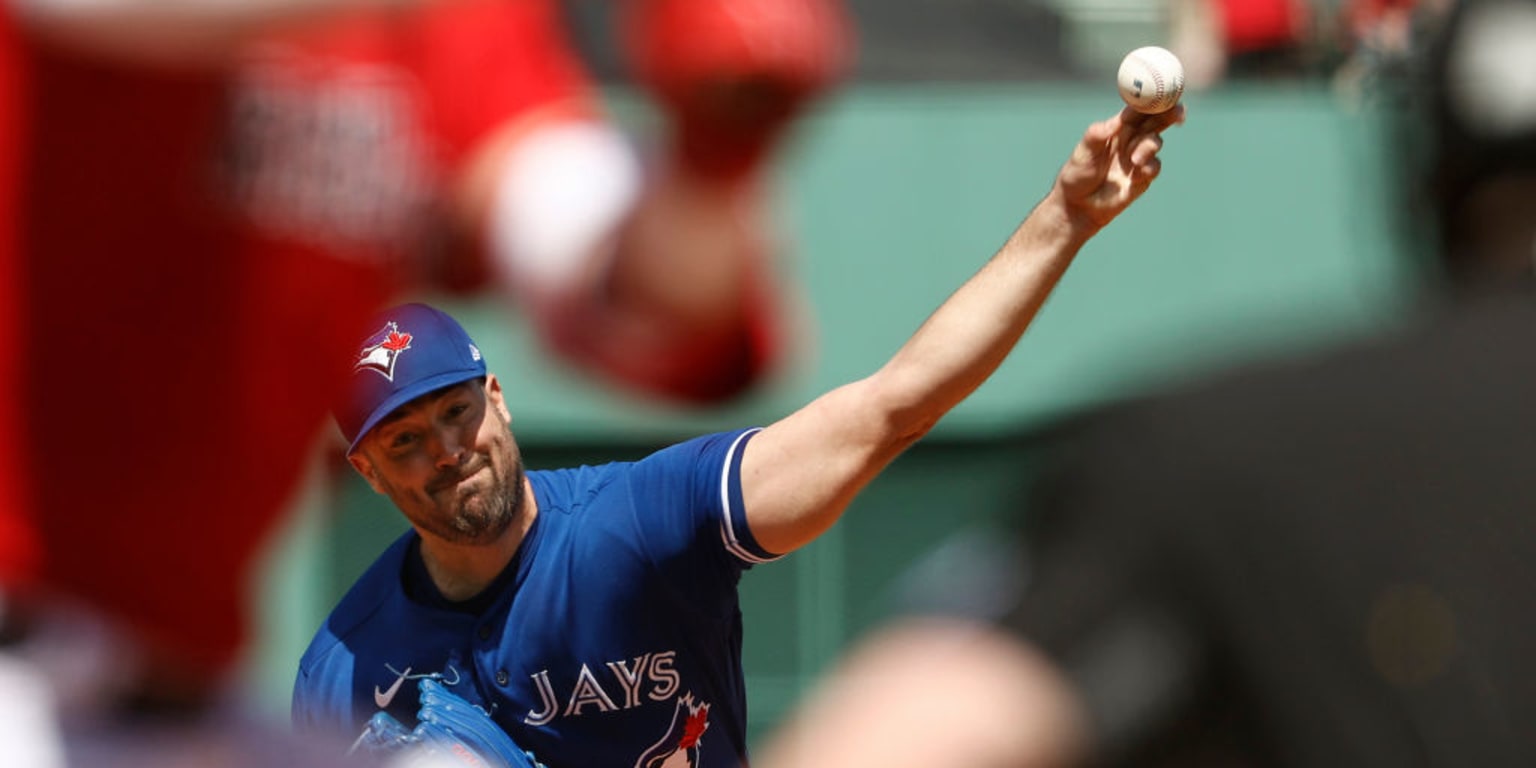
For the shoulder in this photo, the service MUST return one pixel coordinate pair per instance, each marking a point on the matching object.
(699, 473)
(570, 488)
(364, 600)
(709, 450)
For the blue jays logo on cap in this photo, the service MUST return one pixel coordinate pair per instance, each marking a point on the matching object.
(417, 350)
(381, 350)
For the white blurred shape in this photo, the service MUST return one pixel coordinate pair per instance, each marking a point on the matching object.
(563, 191)
(1492, 70)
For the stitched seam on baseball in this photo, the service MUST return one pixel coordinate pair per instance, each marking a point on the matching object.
(1157, 80)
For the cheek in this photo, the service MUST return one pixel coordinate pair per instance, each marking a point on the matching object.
(384, 484)
(501, 452)
(408, 479)
(493, 434)
(505, 456)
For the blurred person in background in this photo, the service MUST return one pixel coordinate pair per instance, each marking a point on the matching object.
(211, 198)
(1377, 43)
(1317, 562)
(1359, 44)
(1241, 39)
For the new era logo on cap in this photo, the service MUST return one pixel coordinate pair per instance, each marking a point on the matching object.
(417, 349)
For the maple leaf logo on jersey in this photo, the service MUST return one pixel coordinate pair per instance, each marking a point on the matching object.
(679, 748)
(381, 350)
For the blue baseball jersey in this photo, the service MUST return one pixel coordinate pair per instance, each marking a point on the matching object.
(612, 639)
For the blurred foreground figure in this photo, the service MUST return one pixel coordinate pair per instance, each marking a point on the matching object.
(211, 198)
(216, 196)
(1313, 564)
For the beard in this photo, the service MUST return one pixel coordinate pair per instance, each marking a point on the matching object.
(479, 514)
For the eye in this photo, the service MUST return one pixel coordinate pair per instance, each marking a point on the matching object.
(458, 409)
(402, 440)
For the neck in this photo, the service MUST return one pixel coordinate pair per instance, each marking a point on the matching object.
(461, 571)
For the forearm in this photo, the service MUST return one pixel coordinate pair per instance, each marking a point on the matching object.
(799, 473)
(971, 333)
(969, 336)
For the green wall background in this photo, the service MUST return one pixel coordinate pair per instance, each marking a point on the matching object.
(1266, 234)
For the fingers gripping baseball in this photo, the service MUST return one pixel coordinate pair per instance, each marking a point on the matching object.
(1115, 162)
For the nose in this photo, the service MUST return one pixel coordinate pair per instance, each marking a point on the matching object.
(451, 450)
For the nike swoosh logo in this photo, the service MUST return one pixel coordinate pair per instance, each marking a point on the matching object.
(383, 698)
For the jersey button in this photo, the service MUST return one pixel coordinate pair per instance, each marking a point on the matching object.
(502, 677)
(485, 631)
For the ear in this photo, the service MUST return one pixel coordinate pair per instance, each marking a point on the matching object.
(493, 394)
(365, 468)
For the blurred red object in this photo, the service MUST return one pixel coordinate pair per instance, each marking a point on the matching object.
(1261, 25)
(734, 73)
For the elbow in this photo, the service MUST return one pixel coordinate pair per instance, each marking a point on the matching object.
(906, 416)
(906, 430)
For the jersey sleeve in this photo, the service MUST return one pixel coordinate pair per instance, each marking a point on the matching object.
(690, 503)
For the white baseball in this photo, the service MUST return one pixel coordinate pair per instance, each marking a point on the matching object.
(1151, 79)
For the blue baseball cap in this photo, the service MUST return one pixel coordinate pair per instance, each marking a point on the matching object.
(414, 349)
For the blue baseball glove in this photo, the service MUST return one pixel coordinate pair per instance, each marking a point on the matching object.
(452, 733)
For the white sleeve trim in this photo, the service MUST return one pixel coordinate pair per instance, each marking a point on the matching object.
(727, 527)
